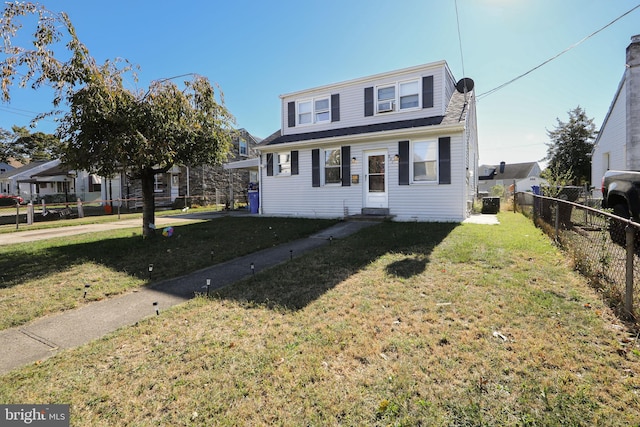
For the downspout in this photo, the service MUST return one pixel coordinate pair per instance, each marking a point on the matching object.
(260, 182)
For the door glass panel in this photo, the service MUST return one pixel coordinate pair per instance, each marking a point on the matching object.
(376, 183)
(376, 173)
(376, 164)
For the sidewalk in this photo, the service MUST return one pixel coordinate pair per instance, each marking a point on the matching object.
(48, 233)
(47, 336)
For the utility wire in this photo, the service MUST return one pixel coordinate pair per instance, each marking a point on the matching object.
(482, 95)
(459, 38)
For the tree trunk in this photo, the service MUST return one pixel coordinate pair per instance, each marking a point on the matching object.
(148, 203)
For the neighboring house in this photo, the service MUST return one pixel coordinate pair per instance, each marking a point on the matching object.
(4, 169)
(402, 143)
(203, 184)
(523, 174)
(49, 181)
(21, 181)
(617, 145)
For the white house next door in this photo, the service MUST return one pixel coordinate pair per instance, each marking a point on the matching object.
(375, 180)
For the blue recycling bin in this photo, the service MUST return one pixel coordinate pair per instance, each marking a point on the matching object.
(254, 201)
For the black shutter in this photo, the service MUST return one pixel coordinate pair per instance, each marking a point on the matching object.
(403, 163)
(427, 92)
(292, 114)
(294, 162)
(269, 164)
(345, 156)
(368, 101)
(335, 107)
(444, 160)
(315, 167)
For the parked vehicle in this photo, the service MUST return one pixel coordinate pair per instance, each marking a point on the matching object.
(6, 200)
(621, 194)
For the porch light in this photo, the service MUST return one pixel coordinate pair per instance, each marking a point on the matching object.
(353, 159)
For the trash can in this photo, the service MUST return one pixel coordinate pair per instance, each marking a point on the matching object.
(490, 205)
(254, 201)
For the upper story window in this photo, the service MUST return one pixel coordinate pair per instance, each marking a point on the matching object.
(386, 99)
(425, 161)
(398, 96)
(242, 147)
(322, 112)
(409, 95)
(315, 110)
(332, 166)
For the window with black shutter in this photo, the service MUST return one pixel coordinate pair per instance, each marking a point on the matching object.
(315, 167)
(444, 160)
(346, 166)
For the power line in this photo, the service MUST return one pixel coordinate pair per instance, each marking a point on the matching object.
(459, 38)
(482, 95)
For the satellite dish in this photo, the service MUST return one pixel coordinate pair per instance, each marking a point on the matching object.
(464, 85)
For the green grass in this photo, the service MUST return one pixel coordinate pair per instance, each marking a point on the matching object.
(48, 276)
(401, 324)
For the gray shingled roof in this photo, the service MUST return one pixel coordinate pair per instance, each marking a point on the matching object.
(511, 170)
(456, 113)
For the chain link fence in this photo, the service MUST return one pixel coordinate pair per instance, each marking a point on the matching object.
(605, 247)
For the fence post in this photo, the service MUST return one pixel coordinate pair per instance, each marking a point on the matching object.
(628, 296)
(17, 215)
(557, 219)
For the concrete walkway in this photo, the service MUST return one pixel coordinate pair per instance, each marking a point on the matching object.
(47, 336)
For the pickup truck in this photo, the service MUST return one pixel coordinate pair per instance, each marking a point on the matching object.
(621, 194)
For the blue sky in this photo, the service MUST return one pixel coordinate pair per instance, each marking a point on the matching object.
(257, 50)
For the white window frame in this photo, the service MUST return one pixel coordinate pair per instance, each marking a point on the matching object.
(386, 105)
(242, 144)
(281, 168)
(393, 105)
(417, 93)
(434, 146)
(325, 167)
(158, 183)
(314, 112)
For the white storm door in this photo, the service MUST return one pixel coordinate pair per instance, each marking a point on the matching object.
(375, 177)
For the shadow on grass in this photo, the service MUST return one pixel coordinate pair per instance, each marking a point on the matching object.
(191, 247)
(294, 285)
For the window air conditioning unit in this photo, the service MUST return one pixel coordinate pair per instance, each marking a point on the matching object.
(386, 106)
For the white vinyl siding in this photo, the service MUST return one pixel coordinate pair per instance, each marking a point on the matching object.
(296, 197)
(612, 140)
(352, 99)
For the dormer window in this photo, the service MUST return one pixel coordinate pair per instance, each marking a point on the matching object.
(398, 96)
(322, 112)
(386, 99)
(317, 110)
(304, 112)
(409, 95)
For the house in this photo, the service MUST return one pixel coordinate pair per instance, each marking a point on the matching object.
(400, 144)
(202, 184)
(617, 145)
(22, 181)
(4, 169)
(53, 183)
(524, 175)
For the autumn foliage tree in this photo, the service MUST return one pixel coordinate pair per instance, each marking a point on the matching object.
(105, 127)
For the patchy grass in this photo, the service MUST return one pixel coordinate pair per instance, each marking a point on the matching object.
(48, 276)
(402, 324)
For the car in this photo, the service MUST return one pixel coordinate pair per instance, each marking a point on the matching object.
(8, 200)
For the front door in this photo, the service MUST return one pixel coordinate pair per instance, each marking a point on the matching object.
(376, 180)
